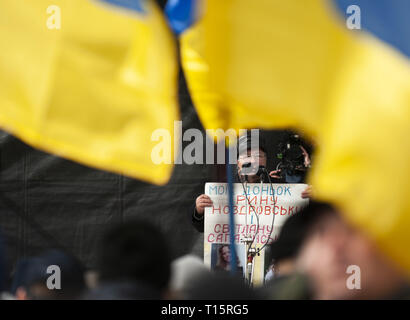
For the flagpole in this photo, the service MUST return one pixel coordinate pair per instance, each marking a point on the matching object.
(229, 176)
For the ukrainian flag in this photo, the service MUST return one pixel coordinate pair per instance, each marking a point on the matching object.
(274, 63)
(89, 80)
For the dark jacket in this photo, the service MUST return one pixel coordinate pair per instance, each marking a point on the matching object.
(197, 220)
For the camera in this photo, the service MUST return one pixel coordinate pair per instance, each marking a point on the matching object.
(292, 160)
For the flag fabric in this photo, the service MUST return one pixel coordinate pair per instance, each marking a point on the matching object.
(89, 80)
(274, 63)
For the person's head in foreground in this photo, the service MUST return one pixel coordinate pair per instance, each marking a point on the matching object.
(219, 286)
(185, 270)
(50, 276)
(287, 282)
(134, 263)
(341, 262)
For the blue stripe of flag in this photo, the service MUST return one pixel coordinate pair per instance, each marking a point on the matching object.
(136, 5)
(388, 20)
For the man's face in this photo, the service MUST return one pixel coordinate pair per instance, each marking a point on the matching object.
(256, 159)
(380, 278)
(322, 257)
(334, 246)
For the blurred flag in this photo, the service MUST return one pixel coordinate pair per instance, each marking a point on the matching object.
(89, 80)
(275, 63)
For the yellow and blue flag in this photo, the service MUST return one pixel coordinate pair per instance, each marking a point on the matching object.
(89, 80)
(274, 63)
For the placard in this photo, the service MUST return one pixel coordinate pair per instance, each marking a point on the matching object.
(256, 207)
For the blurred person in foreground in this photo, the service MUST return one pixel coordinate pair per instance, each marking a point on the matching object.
(287, 282)
(5, 294)
(220, 286)
(32, 277)
(134, 263)
(327, 246)
(184, 271)
(332, 246)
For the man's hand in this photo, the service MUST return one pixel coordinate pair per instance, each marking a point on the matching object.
(308, 192)
(275, 174)
(306, 158)
(202, 202)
